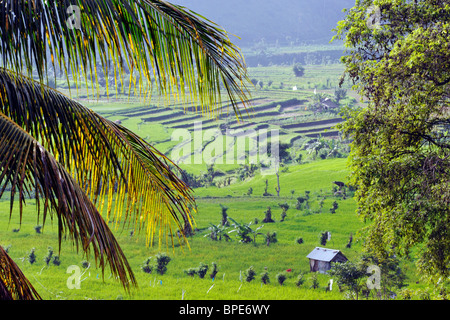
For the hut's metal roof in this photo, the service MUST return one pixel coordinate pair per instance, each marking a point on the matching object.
(322, 254)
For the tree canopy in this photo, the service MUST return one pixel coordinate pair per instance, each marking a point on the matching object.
(400, 158)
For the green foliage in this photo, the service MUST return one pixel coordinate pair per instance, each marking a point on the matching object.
(250, 274)
(271, 237)
(300, 280)
(299, 70)
(56, 261)
(214, 270)
(162, 260)
(348, 276)
(49, 255)
(225, 222)
(281, 277)
(268, 215)
(217, 232)
(244, 231)
(32, 256)
(201, 270)
(400, 158)
(191, 272)
(147, 267)
(314, 281)
(323, 238)
(265, 279)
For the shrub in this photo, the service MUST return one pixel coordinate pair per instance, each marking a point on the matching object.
(324, 238)
(314, 281)
(162, 260)
(299, 240)
(271, 238)
(300, 280)
(201, 270)
(191, 272)
(32, 256)
(56, 261)
(146, 267)
(250, 274)
(49, 255)
(299, 70)
(265, 277)
(281, 277)
(214, 270)
(268, 216)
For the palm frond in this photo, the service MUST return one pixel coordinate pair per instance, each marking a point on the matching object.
(154, 39)
(13, 284)
(120, 172)
(26, 166)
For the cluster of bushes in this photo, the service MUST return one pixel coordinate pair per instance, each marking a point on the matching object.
(202, 270)
(250, 275)
(50, 257)
(158, 263)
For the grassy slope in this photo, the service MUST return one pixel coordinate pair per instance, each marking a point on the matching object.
(231, 257)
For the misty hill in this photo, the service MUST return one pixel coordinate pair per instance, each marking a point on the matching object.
(273, 21)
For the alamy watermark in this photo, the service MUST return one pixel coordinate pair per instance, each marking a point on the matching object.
(74, 281)
(74, 20)
(229, 146)
(373, 14)
(374, 281)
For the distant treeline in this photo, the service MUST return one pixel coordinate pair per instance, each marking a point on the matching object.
(314, 57)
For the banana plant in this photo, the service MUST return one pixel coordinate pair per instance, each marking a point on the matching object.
(217, 232)
(244, 231)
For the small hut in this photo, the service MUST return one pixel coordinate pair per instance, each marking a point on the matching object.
(320, 259)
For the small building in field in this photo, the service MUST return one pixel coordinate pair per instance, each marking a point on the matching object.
(320, 259)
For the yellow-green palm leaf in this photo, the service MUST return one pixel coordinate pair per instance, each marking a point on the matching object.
(120, 172)
(186, 55)
(13, 284)
(27, 166)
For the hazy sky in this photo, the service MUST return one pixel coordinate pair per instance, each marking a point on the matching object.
(252, 20)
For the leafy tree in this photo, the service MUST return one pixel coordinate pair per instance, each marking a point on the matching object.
(75, 160)
(339, 94)
(392, 276)
(349, 276)
(299, 70)
(400, 155)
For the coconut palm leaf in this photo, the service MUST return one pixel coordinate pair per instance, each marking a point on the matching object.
(27, 166)
(121, 173)
(154, 39)
(13, 284)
